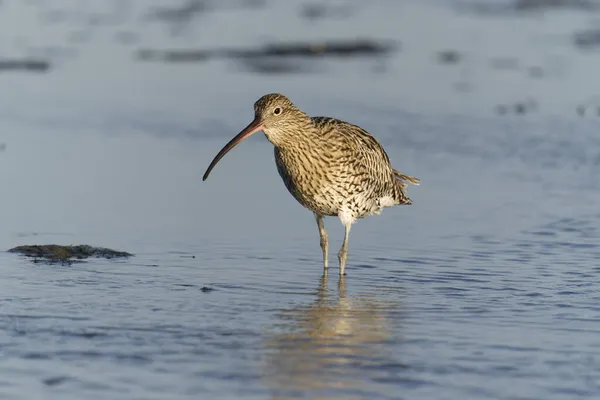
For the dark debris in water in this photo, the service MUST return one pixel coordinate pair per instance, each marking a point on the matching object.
(587, 39)
(179, 12)
(180, 16)
(53, 253)
(449, 57)
(270, 57)
(590, 106)
(583, 110)
(316, 11)
(55, 380)
(517, 108)
(30, 65)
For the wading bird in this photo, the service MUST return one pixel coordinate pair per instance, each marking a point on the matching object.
(330, 166)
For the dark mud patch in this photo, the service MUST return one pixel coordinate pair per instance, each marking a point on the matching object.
(277, 57)
(28, 65)
(528, 5)
(275, 66)
(53, 253)
(520, 6)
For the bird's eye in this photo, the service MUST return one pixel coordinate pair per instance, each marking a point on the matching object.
(277, 111)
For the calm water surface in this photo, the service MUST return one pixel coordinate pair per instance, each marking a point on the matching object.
(485, 288)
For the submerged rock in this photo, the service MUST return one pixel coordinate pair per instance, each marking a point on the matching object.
(53, 253)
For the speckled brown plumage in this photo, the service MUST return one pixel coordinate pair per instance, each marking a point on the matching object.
(330, 166)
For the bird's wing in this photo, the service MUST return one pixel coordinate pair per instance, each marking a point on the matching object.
(353, 140)
(361, 146)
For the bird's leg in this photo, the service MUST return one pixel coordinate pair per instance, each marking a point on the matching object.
(324, 239)
(343, 254)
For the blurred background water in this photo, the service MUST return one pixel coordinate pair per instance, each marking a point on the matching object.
(484, 288)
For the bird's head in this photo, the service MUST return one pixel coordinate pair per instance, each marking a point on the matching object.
(276, 116)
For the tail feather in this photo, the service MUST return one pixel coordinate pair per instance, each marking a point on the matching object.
(406, 178)
(401, 180)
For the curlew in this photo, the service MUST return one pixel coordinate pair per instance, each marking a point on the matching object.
(330, 166)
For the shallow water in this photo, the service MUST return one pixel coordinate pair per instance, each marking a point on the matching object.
(484, 288)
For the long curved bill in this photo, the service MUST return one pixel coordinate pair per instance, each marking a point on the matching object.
(255, 126)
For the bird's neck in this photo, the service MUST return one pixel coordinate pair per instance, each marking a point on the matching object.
(301, 134)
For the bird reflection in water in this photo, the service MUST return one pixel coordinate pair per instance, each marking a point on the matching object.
(331, 348)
